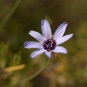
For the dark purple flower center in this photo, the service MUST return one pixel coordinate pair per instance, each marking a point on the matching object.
(49, 45)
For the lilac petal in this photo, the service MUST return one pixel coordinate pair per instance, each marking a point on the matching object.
(60, 49)
(46, 30)
(37, 36)
(32, 44)
(48, 54)
(37, 52)
(60, 31)
(63, 39)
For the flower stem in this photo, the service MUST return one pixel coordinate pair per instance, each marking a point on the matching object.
(7, 17)
(34, 75)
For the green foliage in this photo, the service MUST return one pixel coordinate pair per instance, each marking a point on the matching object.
(17, 18)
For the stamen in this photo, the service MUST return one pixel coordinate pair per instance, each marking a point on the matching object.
(48, 50)
(49, 45)
(45, 44)
(51, 42)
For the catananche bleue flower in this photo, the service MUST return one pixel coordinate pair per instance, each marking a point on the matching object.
(48, 43)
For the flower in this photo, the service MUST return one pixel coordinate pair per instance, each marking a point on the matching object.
(48, 43)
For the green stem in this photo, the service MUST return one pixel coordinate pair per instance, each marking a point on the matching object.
(7, 17)
(34, 75)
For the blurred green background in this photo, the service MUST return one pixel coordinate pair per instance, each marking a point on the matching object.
(17, 18)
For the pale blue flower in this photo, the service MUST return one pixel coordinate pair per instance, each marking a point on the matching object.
(46, 42)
